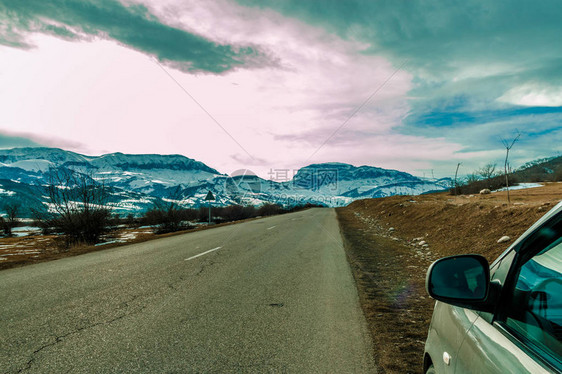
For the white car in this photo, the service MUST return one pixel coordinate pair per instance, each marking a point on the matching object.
(503, 318)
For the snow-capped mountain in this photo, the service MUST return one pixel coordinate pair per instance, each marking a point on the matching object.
(361, 182)
(150, 174)
(136, 182)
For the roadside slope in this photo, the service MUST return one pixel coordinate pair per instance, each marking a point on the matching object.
(390, 242)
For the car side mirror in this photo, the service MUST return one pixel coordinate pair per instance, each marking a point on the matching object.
(462, 280)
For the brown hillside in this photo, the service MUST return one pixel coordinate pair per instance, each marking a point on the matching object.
(390, 243)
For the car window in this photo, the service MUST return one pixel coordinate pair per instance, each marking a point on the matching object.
(535, 311)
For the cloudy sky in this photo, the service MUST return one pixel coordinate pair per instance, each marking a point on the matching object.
(279, 84)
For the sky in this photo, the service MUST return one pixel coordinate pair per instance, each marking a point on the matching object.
(266, 85)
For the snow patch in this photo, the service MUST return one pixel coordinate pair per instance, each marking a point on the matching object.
(521, 186)
(25, 231)
(6, 192)
(32, 165)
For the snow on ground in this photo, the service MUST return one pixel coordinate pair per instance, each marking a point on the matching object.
(6, 192)
(17, 249)
(21, 252)
(130, 235)
(32, 165)
(521, 186)
(25, 231)
(8, 246)
(124, 237)
(109, 242)
(366, 188)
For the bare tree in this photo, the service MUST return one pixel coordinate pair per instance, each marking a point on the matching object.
(11, 220)
(487, 171)
(4, 227)
(472, 178)
(77, 206)
(508, 145)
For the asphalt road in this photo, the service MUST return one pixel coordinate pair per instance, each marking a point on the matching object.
(276, 296)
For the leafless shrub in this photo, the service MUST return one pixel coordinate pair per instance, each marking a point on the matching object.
(269, 209)
(471, 178)
(487, 171)
(234, 212)
(6, 230)
(11, 220)
(77, 207)
(167, 215)
(493, 183)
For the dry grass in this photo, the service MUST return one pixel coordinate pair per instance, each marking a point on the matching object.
(389, 265)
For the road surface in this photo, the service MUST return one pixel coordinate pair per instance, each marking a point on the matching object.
(268, 295)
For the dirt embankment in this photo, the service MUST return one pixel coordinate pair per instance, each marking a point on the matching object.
(390, 243)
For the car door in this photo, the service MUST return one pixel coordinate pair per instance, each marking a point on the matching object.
(524, 334)
(455, 321)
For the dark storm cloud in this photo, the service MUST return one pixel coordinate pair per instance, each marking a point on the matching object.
(442, 36)
(133, 26)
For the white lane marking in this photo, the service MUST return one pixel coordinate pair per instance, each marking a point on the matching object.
(201, 254)
(269, 228)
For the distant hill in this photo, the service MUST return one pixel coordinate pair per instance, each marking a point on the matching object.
(136, 182)
(543, 170)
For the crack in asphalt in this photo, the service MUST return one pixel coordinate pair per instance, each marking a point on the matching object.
(60, 338)
(174, 285)
(122, 305)
(204, 266)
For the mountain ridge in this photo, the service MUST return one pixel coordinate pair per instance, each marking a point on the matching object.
(137, 181)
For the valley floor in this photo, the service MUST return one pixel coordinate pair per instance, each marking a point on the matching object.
(34, 248)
